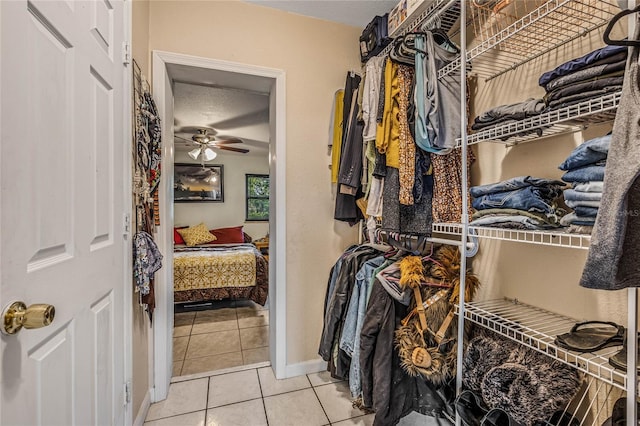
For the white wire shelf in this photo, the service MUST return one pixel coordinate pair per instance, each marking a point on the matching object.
(572, 118)
(441, 14)
(537, 328)
(551, 25)
(547, 238)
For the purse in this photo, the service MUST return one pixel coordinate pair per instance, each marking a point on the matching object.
(374, 38)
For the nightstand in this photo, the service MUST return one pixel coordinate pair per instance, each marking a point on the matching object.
(263, 247)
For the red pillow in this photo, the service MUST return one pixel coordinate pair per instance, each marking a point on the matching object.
(177, 238)
(228, 235)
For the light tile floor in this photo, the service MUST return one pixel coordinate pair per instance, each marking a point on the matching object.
(229, 337)
(231, 334)
(254, 397)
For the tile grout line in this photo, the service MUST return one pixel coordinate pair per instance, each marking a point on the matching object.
(264, 407)
(173, 415)
(318, 398)
(206, 405)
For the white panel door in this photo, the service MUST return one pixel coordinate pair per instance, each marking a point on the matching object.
(62, 163)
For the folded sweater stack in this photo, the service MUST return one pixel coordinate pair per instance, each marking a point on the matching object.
(585, 172)
(523, 202)
(590, 76)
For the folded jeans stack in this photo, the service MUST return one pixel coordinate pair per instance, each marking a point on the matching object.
(585, 172)
(590, 76)
(522, 202)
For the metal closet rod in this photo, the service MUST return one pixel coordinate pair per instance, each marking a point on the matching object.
(384, 236)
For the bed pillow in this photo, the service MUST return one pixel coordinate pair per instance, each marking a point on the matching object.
(233, 235)
(177, 238)
(195, 235)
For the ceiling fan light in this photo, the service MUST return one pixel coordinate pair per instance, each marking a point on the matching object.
(209, 154)
(194, 153)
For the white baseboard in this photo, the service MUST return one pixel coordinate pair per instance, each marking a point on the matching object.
(306, 367)
(144, 409)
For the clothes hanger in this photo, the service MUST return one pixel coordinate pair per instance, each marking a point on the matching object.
(442, 39)
(614, 20)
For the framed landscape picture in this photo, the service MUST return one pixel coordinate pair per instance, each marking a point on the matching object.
(257, 197)
(197, 183)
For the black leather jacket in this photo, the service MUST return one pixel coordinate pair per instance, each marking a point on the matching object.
(385, 386)
(338, 302)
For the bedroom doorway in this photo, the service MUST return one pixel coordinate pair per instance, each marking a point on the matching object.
(170, 72)
(221, 143)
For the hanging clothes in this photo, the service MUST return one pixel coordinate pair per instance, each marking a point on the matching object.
(388, 132)
(407, 147)
(613, 261)
(437, 99)
(447, 186)
(336, 143)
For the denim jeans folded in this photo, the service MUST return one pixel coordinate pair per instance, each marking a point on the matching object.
(511, 184)
(593, 186)
(619, 63)
(583, 203)
(584, 211)
(574, 219)
(517, 111)
(584, 174)
(531, 198)
(587, 153)
(551, 219)
(573, 195)
(580, 63)
(527, 222)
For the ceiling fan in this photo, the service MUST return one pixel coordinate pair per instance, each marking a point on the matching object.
(205, 142)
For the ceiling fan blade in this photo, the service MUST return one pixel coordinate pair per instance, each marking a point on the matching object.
(184, 139)
(227, 141)
(229, 148)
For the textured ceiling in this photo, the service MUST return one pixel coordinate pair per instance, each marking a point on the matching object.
(225, 112)
(357, 13)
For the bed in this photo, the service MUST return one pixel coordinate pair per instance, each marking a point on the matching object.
(216, 272)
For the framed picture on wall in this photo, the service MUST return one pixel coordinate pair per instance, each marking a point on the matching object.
(198, 183)
(257, 197)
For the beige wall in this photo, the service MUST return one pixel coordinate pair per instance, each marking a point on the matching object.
(232, 211)
(141, 327)
(315, 55)
(540, 275)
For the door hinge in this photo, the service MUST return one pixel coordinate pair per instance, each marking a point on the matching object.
(126, 225)
(127, 392)
(126, 53)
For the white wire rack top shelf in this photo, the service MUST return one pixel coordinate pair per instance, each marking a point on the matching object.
(441, 14)
(549, 26)
(547, 238)
(537, 329)
(562, 120)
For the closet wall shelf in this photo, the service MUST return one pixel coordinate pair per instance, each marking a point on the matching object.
(441, 14)
(547, 238)
(548, 27)
(563, 120)
(536, 328)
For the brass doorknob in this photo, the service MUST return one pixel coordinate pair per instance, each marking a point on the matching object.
(18, 315)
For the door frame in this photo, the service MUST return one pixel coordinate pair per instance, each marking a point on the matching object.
(163, 315)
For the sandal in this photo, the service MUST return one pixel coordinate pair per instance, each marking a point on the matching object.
(590, 336)
(470, 408)
(619, 359)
